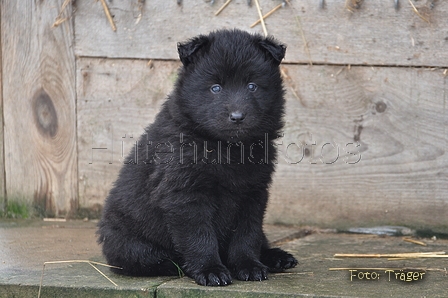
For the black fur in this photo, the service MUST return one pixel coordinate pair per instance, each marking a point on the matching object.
(195, 188)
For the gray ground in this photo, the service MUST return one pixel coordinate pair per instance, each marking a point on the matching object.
(25, 246)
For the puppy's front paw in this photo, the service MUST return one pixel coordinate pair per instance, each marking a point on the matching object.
(251, 270)
(278, 260)
(213, 276)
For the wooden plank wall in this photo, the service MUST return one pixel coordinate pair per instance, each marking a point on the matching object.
(399, 172)
(375, 34)
(2, 158)
(38, 67)
(117, 98)
(365, 141)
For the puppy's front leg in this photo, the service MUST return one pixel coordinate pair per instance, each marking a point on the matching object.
(195, 239)
(247, 240)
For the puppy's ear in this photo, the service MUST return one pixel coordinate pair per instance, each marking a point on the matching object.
(274, 49)
(188, 50)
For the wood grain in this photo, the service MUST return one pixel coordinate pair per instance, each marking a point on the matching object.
(117, 99)
(397, 175)
(2, 156)
(39, 106)
(399, 118)
(374, 34)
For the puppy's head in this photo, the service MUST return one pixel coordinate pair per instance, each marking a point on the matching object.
(230, 85)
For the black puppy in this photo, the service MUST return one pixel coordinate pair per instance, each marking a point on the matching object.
(194, 190)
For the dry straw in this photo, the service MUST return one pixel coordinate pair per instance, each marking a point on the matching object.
(109, 17)
(417, 12)
(414, 241)
(59, 19)
(263, 25)
(266, 15)
(91, 263)
(222, 7)
(396, 256)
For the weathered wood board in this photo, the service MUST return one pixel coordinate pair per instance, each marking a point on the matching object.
(39, 106)
(374, 34)
(117, 99)
(399, 172)
(2, 164)
(390, 125)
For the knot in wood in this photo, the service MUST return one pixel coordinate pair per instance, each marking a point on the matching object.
(380, 107)
(45, 116)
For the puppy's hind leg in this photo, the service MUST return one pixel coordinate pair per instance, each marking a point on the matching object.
(138, 258)
(276, 259)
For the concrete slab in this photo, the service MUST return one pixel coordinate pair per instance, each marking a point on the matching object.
(25, 246)
(313, 278)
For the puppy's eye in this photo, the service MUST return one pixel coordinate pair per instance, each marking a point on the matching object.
(215, 88)
(252, 87)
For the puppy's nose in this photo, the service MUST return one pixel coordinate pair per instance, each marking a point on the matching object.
(237, 117)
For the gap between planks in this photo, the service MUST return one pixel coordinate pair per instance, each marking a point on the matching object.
(287, 63)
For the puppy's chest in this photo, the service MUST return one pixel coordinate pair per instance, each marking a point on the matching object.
(227, 209)
(193, 151)
(234, 180)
